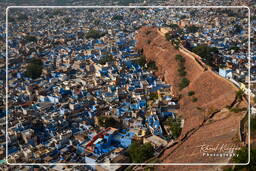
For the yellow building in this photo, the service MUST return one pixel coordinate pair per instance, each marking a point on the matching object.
(243, 86)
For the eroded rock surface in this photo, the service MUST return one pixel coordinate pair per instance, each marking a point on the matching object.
(207, 121)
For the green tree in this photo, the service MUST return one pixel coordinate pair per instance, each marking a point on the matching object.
(117, 17)
(192, 29)
(173, 26)
(182, 72)
(94, 34)
(34, 69)
(139, 153)
(141, 61)
(174, 38)
(191, 93)
(36, 61)
(108, 122)
(30, 38)
(181, 63)
(184, 83)
(105, 59)
(180, 59)
(67, 20)
(194, 99)
(235, 48)
(151, 65)
(175, 126)
(207, 53)
(176, 29)
(96, 22)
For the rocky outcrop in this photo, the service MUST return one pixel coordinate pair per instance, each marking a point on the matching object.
(207, 121)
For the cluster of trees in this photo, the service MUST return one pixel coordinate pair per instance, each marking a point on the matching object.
(173, 26)
(139, 153)
(235, 48)
(151, 65)
(67, 20)
(94, 34)
(174, 38)
(175, 126)
(194, 99)
(30, 38)
(209, 54)
(96, 22)
(106, 122)
(182, 71)
(192, 29)
(176, 29)
(184, 83)
(186, 44)
(117, 17)
(105, 59)
(127, 2)
(141, 61)
(34, 68)
(192, 93)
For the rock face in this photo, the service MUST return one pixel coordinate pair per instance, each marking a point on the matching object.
(207, 121)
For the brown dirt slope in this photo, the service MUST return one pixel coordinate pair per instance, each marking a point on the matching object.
(213, 92)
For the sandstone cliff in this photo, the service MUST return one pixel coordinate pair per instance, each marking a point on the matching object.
(207, 121)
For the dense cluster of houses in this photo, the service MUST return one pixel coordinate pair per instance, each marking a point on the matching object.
(223, 30)
(55, 118)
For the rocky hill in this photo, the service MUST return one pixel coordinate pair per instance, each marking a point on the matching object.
(207, 119)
